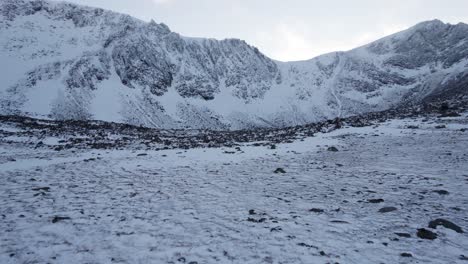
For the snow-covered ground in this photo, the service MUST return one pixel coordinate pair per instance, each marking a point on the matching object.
(223, 205)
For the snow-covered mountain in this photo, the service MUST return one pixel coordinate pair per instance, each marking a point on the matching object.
(66, 61)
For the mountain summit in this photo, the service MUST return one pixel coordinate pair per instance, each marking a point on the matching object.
(65, 61)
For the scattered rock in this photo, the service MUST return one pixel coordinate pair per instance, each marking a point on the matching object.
(375, 200)
(387, 209)
(332, 149)
(142, 154)
(339, 222)
(441, 192)
(406, 255)
(125, 233)
(316, 210)
(444, 107)
(59, 148)
(450, 114)
(279, 170)
(276, 229)
(440, 126)
(60, 218)
(306, 245)
(45, 189)
(252, 212)
(445, 223)
(261, 220)
(403, 235)
(426, 234)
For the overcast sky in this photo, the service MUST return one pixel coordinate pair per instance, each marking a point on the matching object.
(290, 29)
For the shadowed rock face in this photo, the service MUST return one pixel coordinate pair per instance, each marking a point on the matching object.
(88, 71)
(140, 62)
(155, 75)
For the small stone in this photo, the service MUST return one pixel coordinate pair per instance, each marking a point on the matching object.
(445, 223)
(276, 229)
(332, 149)
(45, 189)
(403, 235)
(306, 245)
(316, 210)
(375, 200)
(441, 192)
(261, 220)
(339, 222)
(426, 234)
(406, 255)
(387, 209)
(450, 114)
(59, 218)
(59, 148)
(279, 170)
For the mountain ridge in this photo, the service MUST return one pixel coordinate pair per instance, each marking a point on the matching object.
(66, 61)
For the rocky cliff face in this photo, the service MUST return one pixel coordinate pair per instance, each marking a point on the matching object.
(71, 62)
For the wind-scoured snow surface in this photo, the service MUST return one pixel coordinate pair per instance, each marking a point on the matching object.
(64, 61)
(227, 205)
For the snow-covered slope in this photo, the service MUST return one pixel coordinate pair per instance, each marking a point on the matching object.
(65, 61)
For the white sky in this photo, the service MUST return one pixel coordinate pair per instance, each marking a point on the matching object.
(291, 29)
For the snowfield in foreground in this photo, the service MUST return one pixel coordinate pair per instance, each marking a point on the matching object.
(299, 203)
